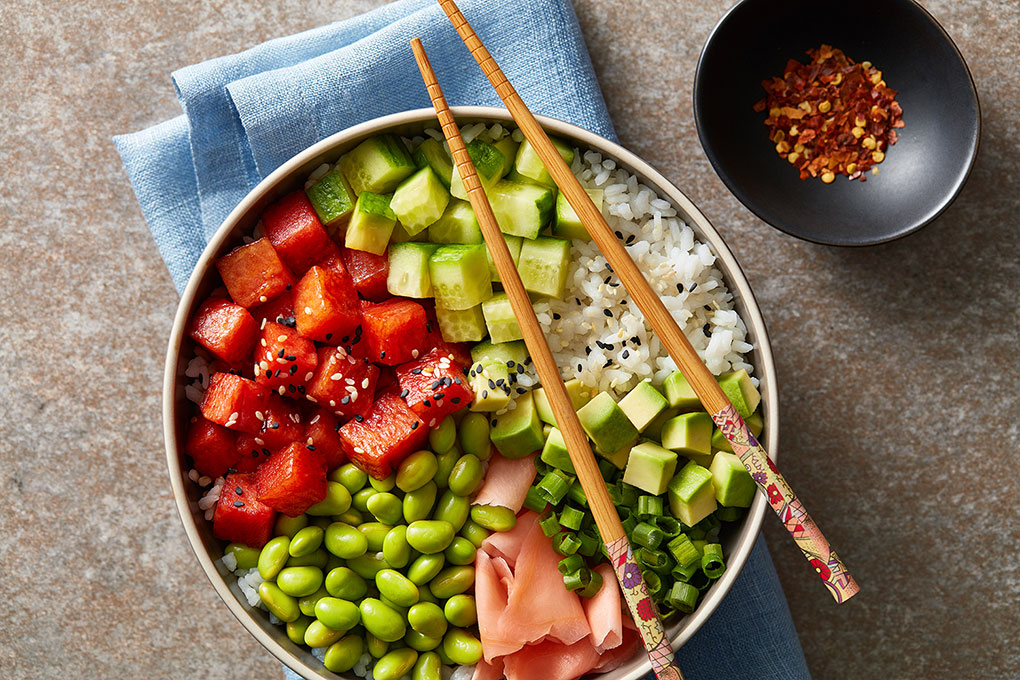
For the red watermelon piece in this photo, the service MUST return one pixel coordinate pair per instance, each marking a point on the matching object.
(384, 436)
(233, 402)
(295, 231)
(225, 329)
(343, 383)
(395, 330)
(240, 516)
(285, 361)
(292, 480)
(369, 272)
(325, 305)
(323, 432)
(254, 273)
(433, 386)
(212, 447)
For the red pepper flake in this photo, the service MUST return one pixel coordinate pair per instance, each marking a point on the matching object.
(831, 115)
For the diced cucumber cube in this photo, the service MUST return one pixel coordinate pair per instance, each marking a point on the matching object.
(457, 224)
(530, 165)
(567, 223)
(489, 379)
(432, 153)
(578, 392)
(518, 432)
(755, 424)
(419, 200)
(461, 325)
(500, 319)
(408, 275)
(371, 224)
(400, 235)
(521, 209)
(332, 198)
(514, 352)
(544, 265)
(508, 147)
(680, 394)
(460, 276)
(488, 162)
(513, 244)
(378, 164)
(554, 452)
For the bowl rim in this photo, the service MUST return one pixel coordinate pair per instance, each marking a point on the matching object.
(764, 365)
(745, 200)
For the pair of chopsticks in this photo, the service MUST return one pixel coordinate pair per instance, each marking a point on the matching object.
(777, 491)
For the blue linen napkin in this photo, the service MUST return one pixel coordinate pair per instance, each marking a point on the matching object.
(245, 114)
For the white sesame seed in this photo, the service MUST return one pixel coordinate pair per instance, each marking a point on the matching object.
(281, 360)
(264, 364)
(263, 298)
(414, 354)
(309, 441)
(262, 327)
(358, 449)
(193, 475)
(350, 389)
(314, 420)
(282, 390)
(263, 342)
(311, 398)
(295, 417)
(260, 441)
(354, 394)
(332, 403)
(364, 384)
(335, 376)
(260, 415)
(349, 381)
(281, 338)
(308, 310)
(233, 416)
(257, 370)
(308, 376)
(204, 481)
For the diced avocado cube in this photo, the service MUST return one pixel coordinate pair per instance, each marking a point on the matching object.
(650, 468)
(500, 319)
(619, 457)
(378, 164)
(654, 429)
(740, 391)
(680, 394)
(332, 199)
(460, 276)
(567, 224)
(463, 325)
(554, 452)
(521, 209)
(734, 487)
(371, 224)
(544, 265)
(515, 352)
(643, 404)
(508, 147)
(419, 200)
(513, 244)
(578, 392)
(755, 424)
(606, 424)
(530, 165)
(518, 432)
(408, 274)
(489, 381)
(457, 224)
(488, 162)
(689, 434)
(432, 153)
(692, 494)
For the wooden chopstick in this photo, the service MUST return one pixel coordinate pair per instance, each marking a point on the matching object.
(608, 521)
(777, 491)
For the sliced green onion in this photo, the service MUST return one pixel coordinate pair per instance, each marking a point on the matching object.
(629, 495)
(593, 587)
(566, 543)
(682, 597)
(628, 524)
(712, 562)
(669, 526)
(653, 582)
(571, 564)
(699, 580)
(607, 469)
(554, 486)
(685, 573)
(649, 505)
(724, 514)
(694, 533)
(616, 494)
(576, 494)
(571, 518)
(550, 525)
(647, 535)
(683, 551)
(577, 580)
(534, 501)
(541, 465)
(656, 560)
(589, 544)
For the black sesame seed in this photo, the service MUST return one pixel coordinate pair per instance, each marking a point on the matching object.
(707, 330)
(679, 287)
(556, 316)
(290, 388)
(520, 369)
(301, 389)
(618, 234)
(416, 371)
(288, 286)
(609, 267)
(254, 453)
(427, 403)
(626, 353)
(281, 353)
(435, 384)
(238, 490)
(382, 354)
(274, 426)
(607, 312)
(357, 330)
(577, 300)
(485, 394)
(328, 336)
(345, 400)
(587, 351)
(623, 301)
(360, 419)
(492, 384)
(439, 395)
(344, 340)
(527, 361)
(293, 369)
(693, 286)
(630, 239)
(608, 279)
(290, 357)
(309, 447)
(414, 425)
(290, 322)
(458, 381)
(607, 364)
(455, 400)
(356, 340)
(521, 390)
(471, 373)
(579, 368)
(266, 452)
(404, 393)
(238, 504)
(510, 363)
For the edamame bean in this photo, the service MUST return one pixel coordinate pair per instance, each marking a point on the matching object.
(452, 581)
(474, 435)
(418, 503)
(428, 667)
(466, 476)
(359, 501)
(474, 532)
(319, 558)
(376, 647)
(462, 647)
(336, 502)
(352, 517)
(345, 541)
(320, 635)
(381, 620)
(282, 605)
(307, 603)
(417, 469)
(288, 526)
(395, 664)
(430, 536)
(320, 521)
(296, 629)
(421, 642)
(460, 552)
(305, 541)
(337, 614)
(383, 484)
(460, 610)
(332, 563)
(394, 606)
(299, 581)
(273, 557)
(344, 583)
(425, 568)
(375, 534)
(494, 517)
(386, 508)
(247, 558)
(396, 587)
(428, 619)
(425, 595)
(444, 436)
(368, 565)
(453, 509)
(445, 463)
(351, 476)
(396, 550)
(344, 654)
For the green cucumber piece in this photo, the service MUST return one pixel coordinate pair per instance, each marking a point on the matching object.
(371, 224)
(459, 276)
(419, 200)
(513, 244)
(432, 153)
(530, 165)
(521, 209)
(490, 395)
(408, 275)
(500, 319)
(457, 224)
(332, 198)
(400, 235)
(567, 224)
(488, 162)
(544, 265)
(378, 164)
(518, 432)
(508, 147)
(461, 325)
(502, 352)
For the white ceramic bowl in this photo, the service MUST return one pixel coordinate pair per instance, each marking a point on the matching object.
(737, 542)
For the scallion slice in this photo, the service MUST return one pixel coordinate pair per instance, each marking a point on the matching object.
(554, 486)
(566, 543)
(550, 525)
(725, 514)
(682, 597)
(669, 526)
(571, 564)
(571, 518)
(577, 580)
(656, 560)
(647, 535)
(534, 501)
(594, 585)
(576, 494)
(683, 551)
(712, 562)
(589, 544)
(649, 506)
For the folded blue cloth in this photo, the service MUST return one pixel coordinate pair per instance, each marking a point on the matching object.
(245, 114)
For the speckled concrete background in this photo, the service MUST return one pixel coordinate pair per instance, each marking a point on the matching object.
(897, 364)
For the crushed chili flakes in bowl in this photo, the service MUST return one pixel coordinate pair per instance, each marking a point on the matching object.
(831, 115)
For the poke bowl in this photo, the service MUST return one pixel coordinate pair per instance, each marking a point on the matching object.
(229, 480)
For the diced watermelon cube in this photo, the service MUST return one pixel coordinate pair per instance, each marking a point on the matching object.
(225, 329)
(284, 359)
(292, 480)
(278, 310)
(212, 447)
(331, 257)
(388, 433)
(387, 380)
(240, 516)
(250, 453)
(254, 273)
(281, 425)
(323, 429)
(233, 401)
(369, 272)
(394, 330)
(433, 387)
(343, 383)
(295, 231)
(325, 305)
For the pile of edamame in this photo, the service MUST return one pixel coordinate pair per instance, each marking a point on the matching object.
(386, 566)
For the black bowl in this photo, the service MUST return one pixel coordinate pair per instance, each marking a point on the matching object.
(921, 174)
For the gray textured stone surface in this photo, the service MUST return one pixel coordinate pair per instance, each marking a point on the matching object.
(897, 365)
